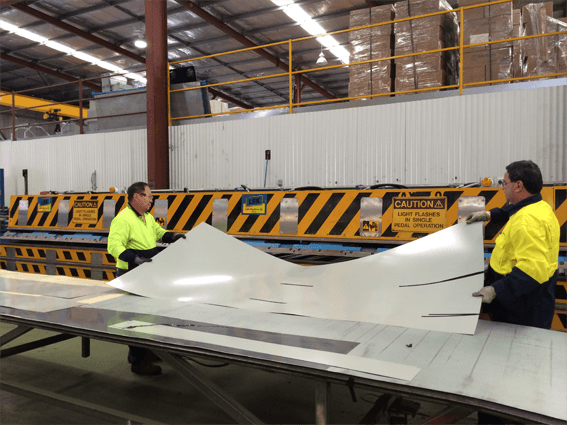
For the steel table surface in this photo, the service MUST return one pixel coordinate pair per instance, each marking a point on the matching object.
(518, 371)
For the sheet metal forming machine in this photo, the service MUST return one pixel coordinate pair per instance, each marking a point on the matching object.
(66, 234)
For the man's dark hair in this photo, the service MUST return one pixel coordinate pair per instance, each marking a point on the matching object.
(138, 187)
(529, 173)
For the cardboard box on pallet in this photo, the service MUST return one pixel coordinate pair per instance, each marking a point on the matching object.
(484, 30)
(421, 35)
(518, 45)
(543, 55)
(371, 43)
(474, 75)
(422, 80)
(484, 12)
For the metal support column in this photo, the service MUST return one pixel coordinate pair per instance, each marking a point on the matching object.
(13, 115)
(81, 131)
(212, 391)
(156, 93)
(322, 399)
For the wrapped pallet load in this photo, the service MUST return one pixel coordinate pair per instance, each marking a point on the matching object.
(421, 35)
(543, 55)
(483, 24)
(371, 43)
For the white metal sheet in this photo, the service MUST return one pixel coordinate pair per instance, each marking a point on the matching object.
(354, 363)
(425, 284)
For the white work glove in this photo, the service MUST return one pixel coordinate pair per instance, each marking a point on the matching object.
(487, 293)
(478, 216)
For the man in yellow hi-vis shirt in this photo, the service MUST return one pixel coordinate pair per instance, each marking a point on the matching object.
(132, 241)
(520, 282)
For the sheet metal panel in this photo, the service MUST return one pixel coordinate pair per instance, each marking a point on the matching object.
(424, 284)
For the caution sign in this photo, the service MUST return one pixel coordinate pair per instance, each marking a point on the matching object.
(85, 212)
(420, 215)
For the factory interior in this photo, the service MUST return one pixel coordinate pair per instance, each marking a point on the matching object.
(276, 211)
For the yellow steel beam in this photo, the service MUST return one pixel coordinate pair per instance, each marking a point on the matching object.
(41, 105)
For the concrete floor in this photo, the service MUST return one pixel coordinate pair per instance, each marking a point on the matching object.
(105, 379)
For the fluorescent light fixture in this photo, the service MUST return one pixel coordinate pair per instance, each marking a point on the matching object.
(140, 44)
(70, 51)
(300, 16)
(8, 26)
(296, 13)
(60, 47)
(109, 66)
(86, 57)
(30, 35)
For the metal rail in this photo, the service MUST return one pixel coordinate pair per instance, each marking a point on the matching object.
(291, 104)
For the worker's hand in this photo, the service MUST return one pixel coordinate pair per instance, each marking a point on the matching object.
(478, 216)
(176, 236)
(141, 260)
(487, 293)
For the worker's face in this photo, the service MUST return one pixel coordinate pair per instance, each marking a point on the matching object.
(510, 189)
(144, 199)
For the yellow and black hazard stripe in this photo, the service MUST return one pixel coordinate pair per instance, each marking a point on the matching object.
(62, 254)
(561, 213)
(25, 267)
(60, 270)
(333, 214)
(37, 219)
(559, 321)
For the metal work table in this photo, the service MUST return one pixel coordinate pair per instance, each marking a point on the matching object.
(516, 372)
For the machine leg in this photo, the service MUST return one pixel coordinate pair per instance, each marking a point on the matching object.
(322, 399)
(14, 333)
(85, 347)
(213, 392)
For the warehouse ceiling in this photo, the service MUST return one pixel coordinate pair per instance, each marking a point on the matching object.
(108, 29)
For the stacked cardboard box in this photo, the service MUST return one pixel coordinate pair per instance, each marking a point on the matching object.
(543, 55)
(483, 24)
(371, 43)
(562, 47)
(518, 45)
(420, 35)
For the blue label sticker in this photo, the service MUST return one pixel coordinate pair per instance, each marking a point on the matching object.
(44, 204)
(254, 204)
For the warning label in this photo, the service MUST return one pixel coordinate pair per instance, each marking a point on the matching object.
(254, 204)
(85, 212)
(421, 215)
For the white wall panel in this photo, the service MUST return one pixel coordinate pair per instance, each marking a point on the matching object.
(456, 139)
(67, 163)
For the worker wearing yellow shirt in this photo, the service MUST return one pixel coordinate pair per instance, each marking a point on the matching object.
(520, 281)
(132, 241)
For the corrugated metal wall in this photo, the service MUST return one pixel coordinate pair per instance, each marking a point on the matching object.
(440, 141)
(67, 163)
(456, 139)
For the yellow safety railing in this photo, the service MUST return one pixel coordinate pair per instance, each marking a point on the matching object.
(290, 73)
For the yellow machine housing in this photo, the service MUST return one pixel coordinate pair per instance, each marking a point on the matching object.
(66, 234)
